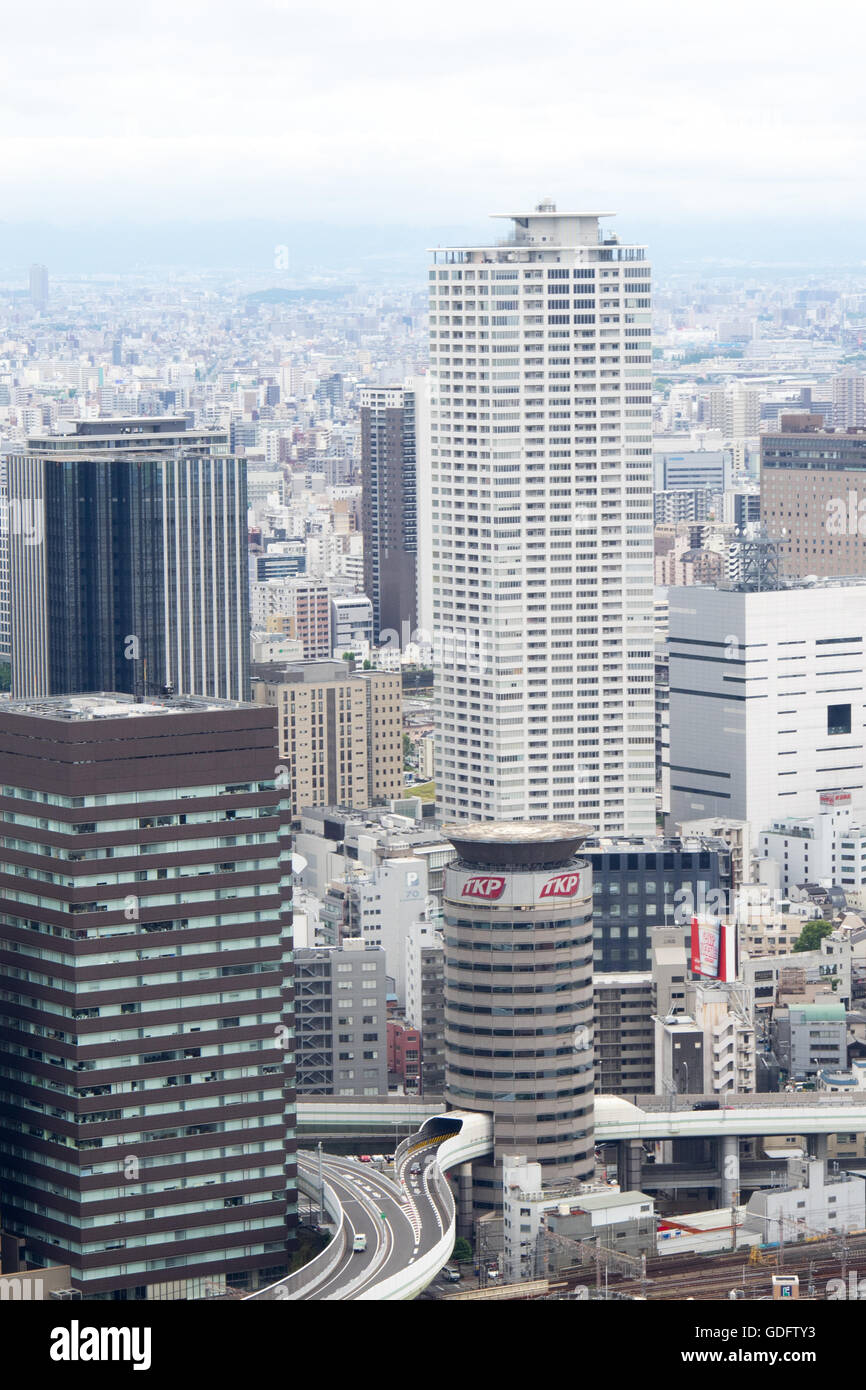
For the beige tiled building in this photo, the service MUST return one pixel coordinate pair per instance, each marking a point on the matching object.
(340, 730)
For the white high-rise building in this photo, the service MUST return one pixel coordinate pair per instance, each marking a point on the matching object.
(541, 525)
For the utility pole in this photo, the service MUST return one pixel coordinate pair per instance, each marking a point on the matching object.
(735, 1197)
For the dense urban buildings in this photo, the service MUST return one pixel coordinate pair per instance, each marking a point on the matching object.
(127, 559)
(541, 467)
(549, 421)
(517, 925)
(147, 1117)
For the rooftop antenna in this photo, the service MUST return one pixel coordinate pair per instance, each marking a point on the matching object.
(760, 567)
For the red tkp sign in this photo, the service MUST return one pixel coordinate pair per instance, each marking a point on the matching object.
(488, 886)
(561, 886)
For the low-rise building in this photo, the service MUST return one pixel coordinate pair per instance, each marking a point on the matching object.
(812, 1204)
(810, 1038)
(544, 1225)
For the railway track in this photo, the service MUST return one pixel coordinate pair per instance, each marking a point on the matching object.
(711, 1277)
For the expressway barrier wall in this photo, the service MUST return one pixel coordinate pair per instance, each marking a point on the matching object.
(294, 1286)
(755, 1121)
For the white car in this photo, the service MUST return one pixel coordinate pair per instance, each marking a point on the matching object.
(359, 1244)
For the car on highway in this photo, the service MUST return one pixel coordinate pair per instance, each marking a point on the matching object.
(359, 1244)
(365, 1158)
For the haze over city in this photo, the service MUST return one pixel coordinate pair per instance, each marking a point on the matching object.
(713, 130)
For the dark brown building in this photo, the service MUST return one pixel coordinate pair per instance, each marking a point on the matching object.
(146, 1001)
(389, 508)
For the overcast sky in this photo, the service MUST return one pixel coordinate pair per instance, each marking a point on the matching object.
(372, 110)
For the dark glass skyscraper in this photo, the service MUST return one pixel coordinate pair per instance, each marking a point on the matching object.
(127, 557)
(389, 508)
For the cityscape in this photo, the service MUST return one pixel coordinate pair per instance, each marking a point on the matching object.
(498, 569)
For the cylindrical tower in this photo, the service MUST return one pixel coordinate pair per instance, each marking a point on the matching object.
(518, 993)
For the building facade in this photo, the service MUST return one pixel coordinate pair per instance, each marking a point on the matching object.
(624, 1033)
(425, 1001)
(389, 508)
(766, 701)
(147, 1110)
(813, 496)
(639, 884)
(541, 525)
(518, 994)
(341, 737)
(140, 577)
(340, 1021)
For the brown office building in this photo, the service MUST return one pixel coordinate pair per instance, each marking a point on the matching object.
(813, 497)
(147, 1101)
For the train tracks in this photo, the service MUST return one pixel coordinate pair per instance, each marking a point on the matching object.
(712, 1277)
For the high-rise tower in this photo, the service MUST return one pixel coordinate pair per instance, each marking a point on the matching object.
(541, 478)
(147, 1107)
(128, 561)
(389, 507)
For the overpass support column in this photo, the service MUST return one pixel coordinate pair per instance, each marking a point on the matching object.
(816, 1146)
(464, 1200)
(729, 1168)
(629, 1167)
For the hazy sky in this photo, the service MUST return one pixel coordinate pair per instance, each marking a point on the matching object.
(372, 110)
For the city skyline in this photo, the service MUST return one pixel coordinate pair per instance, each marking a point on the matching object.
(457, 615)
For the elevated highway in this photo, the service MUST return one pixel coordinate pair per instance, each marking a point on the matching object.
(617, 1119)
(647, 1117)
(409, 1218)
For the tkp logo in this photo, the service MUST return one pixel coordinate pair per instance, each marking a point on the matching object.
(562, 886)
(486, 887)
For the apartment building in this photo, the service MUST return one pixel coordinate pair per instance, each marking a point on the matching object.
(340, 730)
(541, 524)
(623, 1033)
